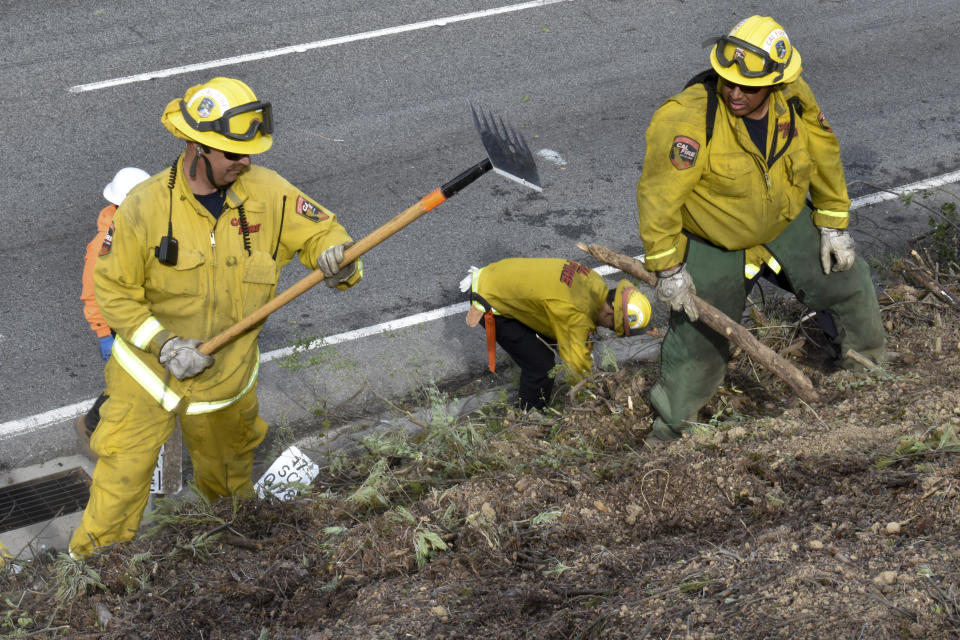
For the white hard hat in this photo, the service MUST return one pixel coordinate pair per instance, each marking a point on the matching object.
(126, 179)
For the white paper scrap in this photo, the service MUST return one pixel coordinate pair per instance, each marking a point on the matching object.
(291, 468)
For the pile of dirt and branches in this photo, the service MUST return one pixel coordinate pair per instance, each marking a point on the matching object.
(775, 519)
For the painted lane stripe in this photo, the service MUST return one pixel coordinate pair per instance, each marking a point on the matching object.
(62, 414)
(45, 419)
(366, 332)
(896, 192)
(307, 46)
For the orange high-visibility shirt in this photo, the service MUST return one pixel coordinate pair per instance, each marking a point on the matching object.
(90, 309)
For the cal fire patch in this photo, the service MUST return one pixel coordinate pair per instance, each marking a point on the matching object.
(107, 241)
(309, 210)
(683, 152)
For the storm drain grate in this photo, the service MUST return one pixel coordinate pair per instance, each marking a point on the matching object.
(43, 499)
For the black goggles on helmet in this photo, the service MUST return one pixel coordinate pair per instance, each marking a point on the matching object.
(222, 124)
(769, 64)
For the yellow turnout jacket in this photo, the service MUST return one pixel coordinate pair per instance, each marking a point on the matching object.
(724, 191)
(560, 299)
(216, 281)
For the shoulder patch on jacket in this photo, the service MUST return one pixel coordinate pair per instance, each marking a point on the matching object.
(683, 152)
(107, 241)
(822, 119)
(309, 210)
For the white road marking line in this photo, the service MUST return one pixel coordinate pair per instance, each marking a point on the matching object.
(356, 334)
(922, 185)
(45, 419)
(62, 414)
(307, 46)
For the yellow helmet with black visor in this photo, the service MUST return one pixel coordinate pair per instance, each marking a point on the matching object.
(756, 53)
(223, 114)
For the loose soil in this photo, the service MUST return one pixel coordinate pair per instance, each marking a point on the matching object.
(775, 520)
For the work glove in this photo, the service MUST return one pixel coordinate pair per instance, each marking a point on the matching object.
(329, 262)
(182, 359)
(675, 288)
(836, 246)
(106, 346)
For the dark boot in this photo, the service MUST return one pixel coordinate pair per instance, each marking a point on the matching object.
(84, 434)
(86, 424)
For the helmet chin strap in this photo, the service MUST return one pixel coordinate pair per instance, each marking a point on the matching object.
(209, 170)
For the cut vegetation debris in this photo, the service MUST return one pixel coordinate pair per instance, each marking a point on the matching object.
(776, 519)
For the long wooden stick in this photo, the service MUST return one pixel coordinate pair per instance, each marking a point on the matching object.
(719, 322)
(315, 277)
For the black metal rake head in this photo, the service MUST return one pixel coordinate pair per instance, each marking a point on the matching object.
(507, 150)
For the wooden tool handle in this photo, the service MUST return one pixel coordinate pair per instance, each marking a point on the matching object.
(315, 277)
(398, 222)
(719, 322)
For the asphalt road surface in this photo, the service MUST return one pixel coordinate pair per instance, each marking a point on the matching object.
(371, 114)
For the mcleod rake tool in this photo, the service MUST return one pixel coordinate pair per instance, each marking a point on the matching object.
(507, 154)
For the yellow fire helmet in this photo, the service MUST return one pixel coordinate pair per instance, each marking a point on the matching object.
(631, 309)
(756, 53)
(222, 113)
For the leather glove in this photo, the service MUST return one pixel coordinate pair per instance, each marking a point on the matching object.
(675, 288)
(182, 359)
(106, 346)
(329, 262)
(836, 246)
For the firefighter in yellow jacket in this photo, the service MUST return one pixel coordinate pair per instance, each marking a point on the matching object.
(533, 306)
(742, 178)
(191, 251)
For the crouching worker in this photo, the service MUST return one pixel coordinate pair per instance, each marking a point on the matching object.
(534, 307)
(191, 252)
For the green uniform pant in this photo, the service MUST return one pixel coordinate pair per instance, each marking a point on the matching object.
(128, 438)
(693, 357)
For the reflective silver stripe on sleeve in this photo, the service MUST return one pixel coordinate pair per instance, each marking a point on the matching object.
(475, 279)
(195, 408)
(162, 393)
(146, 332)
(662, 254)
(473, 288)
(833, 214)
(144, 376)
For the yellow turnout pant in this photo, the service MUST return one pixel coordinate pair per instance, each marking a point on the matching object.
(128, 438)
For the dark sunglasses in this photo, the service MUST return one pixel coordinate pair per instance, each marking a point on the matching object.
(743, 88)
(234, 157)
(769, 64)
(229, 155)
